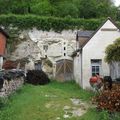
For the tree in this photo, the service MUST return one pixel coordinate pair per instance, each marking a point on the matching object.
(61, 8)
(113, 52)
(65, 8)
(106, 8)
(43, 8)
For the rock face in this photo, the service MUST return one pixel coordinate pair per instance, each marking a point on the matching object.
(40, 45)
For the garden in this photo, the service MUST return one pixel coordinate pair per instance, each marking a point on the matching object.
(54, 101)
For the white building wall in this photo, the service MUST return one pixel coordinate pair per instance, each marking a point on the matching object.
(77, 69)
(95, 49)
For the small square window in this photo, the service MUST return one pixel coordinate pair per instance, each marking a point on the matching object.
(45, 47)
(38, 66)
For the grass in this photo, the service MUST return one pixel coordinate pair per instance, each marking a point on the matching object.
(45, 102)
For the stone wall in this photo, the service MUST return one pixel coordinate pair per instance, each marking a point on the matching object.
(10, 81)
(11, 86)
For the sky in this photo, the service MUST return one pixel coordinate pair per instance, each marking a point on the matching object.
(117, 2)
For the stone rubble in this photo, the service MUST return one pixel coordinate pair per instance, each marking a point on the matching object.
(79, 108)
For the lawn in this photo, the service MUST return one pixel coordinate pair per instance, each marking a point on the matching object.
(47, 103)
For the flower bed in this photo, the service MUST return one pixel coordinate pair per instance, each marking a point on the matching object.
(109, 99)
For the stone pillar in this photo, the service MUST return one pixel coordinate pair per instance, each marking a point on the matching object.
(1, 62)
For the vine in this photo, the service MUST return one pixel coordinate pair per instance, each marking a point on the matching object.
(24, 22)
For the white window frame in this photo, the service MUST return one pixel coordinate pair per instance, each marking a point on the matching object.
(96, 63)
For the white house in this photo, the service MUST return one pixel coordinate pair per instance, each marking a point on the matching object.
(90, 53)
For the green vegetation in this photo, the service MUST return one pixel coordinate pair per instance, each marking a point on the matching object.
(46, 103)
(113, 51)
(92, 114)
(61, 8)
(47, 23)
(29, 102)
(56, 14)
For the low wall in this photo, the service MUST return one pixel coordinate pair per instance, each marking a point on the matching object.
(10, 81)
(11, 86)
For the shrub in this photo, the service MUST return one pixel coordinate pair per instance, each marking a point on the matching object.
(37, 77)
(109, 99)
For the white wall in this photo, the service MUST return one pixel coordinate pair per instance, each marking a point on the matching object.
(77, 69)
(1, 62)
(95, 49)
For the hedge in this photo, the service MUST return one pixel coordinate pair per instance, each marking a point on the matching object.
(48, 23)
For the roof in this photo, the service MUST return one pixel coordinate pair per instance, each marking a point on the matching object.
(101, 26)
(83, 37)
(4, 33)
(85, 33)
(90, 34)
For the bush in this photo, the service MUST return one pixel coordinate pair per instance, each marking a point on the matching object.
(37, 77)
(109, 99)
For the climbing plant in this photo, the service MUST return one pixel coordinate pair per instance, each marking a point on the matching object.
(113, 51)
(47, 23)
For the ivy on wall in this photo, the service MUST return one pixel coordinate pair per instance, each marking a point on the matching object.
(47, 23)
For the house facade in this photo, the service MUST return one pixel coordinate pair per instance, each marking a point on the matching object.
(3, 38)
(90, 53)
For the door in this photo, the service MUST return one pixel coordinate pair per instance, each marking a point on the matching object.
(64, 70)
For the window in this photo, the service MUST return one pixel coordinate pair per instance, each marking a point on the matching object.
(64, 48)
(95, 67)
(45, 47)
(95, 70)
(64, 54)
(38, 66)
